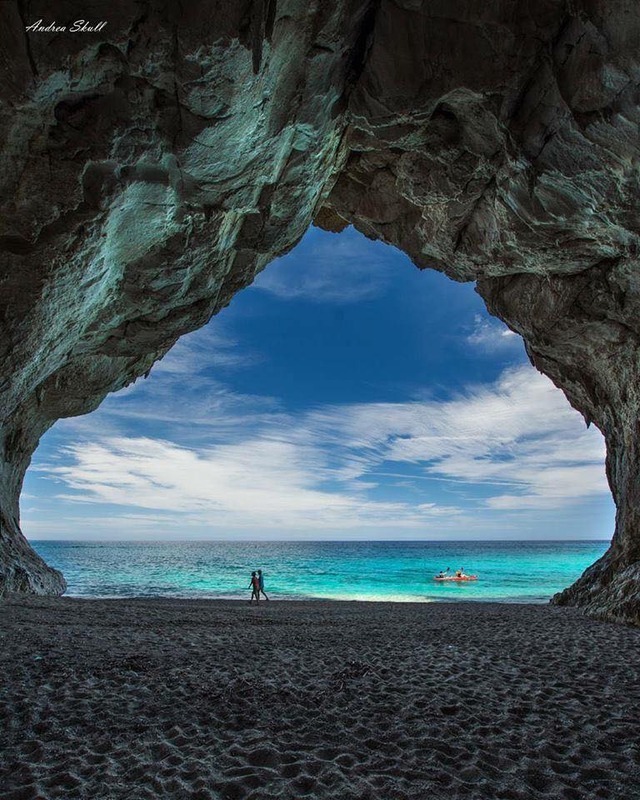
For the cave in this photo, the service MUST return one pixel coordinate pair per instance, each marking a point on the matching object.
(154, 167)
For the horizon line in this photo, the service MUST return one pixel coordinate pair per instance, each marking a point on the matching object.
(334, 541)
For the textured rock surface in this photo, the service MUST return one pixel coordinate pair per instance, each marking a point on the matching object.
(151, 170)
(148, 174)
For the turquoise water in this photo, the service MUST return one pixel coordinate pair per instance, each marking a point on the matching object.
(507, 571)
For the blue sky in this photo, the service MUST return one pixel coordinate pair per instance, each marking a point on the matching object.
(344, 395)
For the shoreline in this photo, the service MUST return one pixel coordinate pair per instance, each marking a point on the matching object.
(291, 599)
(216, 700)
(345, 571)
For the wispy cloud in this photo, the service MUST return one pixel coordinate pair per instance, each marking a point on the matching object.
(260, 483)
(329, 468)
(519, 432)
(492, 335)
(339, 270)
(207, 348)
(196, 361)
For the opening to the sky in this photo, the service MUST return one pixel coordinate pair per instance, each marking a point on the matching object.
(345, 395)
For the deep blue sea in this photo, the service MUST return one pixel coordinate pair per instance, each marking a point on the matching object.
(507, 571)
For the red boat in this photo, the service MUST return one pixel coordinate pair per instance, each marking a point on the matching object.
(455, 578)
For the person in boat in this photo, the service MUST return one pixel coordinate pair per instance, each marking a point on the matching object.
(460, 573)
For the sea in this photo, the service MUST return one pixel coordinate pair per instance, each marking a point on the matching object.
(350, 570)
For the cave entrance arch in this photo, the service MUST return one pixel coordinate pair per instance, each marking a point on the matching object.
(230, 423)
(151, 170)
(344, 395)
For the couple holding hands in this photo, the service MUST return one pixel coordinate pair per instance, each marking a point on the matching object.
(257, 586)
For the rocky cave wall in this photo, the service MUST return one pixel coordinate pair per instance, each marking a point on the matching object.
(151, 170)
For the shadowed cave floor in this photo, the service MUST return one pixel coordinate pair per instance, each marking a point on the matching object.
(211, 700)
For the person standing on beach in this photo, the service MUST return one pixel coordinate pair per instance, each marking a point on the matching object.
(261, 583)
(254, 585)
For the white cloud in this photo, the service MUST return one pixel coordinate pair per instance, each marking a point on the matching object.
(319, 470)
(519, 431)
(203, 349)
(492, 336)
(162, 401)
(340, 270)
(260, 482)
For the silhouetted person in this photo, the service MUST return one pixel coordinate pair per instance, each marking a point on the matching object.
(254, 585)
(261, 583)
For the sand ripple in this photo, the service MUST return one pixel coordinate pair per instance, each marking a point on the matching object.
(222, 701)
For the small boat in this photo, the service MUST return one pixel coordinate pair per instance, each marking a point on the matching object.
(455, 578)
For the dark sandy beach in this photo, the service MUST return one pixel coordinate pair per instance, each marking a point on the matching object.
(209, 700)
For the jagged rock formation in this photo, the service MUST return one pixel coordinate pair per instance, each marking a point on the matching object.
(150, 171)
